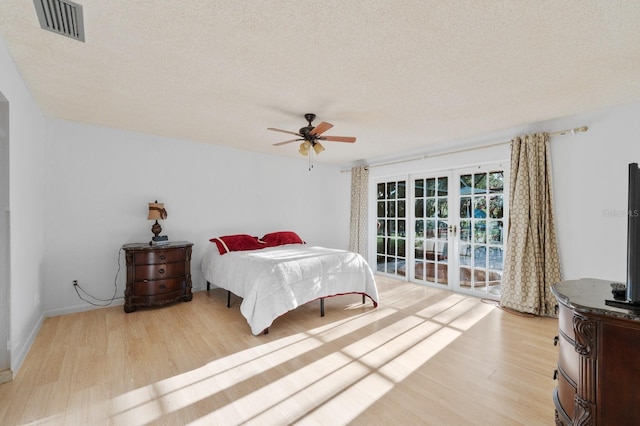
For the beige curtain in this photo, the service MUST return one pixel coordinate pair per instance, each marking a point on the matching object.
(531, 262)
(358, 229)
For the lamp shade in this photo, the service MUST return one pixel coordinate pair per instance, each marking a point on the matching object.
(157, 211)
(304, 148)
(318, 148)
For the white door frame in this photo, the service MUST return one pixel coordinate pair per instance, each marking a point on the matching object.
(5, 247)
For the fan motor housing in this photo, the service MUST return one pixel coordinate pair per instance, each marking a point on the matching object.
(305, 130)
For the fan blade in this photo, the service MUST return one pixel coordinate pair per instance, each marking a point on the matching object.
(349, 139)
(284, 131)
(286, 142)
(321, 128)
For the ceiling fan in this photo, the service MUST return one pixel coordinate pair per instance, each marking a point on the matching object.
(311, 136)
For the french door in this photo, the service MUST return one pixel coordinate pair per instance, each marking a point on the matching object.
(481, 230)
(444, 229)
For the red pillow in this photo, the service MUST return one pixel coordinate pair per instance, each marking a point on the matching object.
(281, 238)
(239, 242)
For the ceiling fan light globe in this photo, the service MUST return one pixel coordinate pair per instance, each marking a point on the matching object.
(304, 148)
(318, 148)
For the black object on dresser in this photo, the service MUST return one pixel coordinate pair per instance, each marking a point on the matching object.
(157, 275)
(599, 347)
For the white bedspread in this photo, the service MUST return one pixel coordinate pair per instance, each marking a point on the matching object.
(275, 280)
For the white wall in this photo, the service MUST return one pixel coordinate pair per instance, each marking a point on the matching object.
(100, 181)
(26, 200)
(589, 179)
(590, 183)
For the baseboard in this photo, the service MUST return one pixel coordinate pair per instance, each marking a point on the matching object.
(80, 308)
(6, 376)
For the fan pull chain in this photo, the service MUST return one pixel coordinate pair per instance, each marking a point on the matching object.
(310, 159)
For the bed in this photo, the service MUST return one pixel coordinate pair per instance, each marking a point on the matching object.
(279, 272)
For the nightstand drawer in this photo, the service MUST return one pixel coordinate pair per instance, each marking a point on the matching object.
(159, 272)
(160, 256)
(152, 288)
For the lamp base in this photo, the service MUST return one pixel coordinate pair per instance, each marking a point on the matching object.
(159, 240)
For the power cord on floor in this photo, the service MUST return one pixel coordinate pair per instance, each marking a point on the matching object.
(79, 290)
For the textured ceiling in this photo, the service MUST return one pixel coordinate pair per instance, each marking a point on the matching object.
(399, 75)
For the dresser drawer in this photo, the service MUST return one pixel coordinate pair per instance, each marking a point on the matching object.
(159, 256)
(568, 359)
(159, 271)
(566, 394)
(152, 288)
(565, 322)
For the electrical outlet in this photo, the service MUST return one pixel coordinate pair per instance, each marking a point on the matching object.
(36, 299)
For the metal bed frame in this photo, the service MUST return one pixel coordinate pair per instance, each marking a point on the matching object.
(266, 330)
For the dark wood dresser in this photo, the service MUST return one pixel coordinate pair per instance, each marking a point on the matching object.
(599, 357)
(157, 274)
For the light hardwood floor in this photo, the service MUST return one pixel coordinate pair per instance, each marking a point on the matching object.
(424, 356)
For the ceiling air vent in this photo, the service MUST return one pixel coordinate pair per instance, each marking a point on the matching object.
(61, 16)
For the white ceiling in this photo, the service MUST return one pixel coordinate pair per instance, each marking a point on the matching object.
(399, 75)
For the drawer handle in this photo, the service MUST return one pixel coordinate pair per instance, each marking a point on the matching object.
(161, 271)
(163, 257)
(555, 341)
(555, 374)
(162, 286)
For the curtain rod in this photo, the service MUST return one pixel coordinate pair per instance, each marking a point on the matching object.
(456, 151)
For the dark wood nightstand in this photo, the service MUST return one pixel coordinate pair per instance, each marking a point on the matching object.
(157, 275)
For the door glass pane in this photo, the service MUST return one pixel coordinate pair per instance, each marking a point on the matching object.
(391, 209)
(480, 183)
(465, 230)
(418, 272)
(430, 187)
(495, 207)
(391, 228)
(402, 189)
(401, 212)
(465, 254)
(419, 250)
(495, 232)
(430, 207)
(391, 190)
(419, 228)
(496, 182)
(419, 188)
(479, 231)
(400, 248)
(465, 207)
(443, 207)
(465, 185)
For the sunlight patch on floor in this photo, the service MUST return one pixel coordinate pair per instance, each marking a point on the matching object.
(344, 382)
